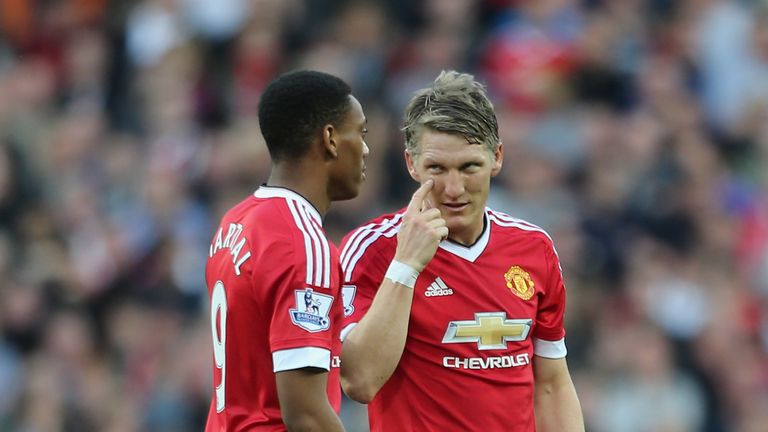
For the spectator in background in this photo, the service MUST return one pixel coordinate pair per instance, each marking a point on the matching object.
(645, 161)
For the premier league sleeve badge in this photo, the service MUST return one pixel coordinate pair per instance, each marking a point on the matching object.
(312, 309)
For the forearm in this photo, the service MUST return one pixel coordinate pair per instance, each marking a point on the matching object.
(373, 348)
(321, 419)
(304, 402)
(557, 407)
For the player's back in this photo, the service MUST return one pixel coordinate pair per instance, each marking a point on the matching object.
(258, 275)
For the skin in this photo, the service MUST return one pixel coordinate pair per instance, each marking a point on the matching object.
(348, 149)
(332, 170)
(462, 174)
(371, 350)
(556, 403)
(304, 402)
(334, 167)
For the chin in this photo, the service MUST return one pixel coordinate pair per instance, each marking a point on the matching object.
(455, 225)
(460, 223)
(347, 194)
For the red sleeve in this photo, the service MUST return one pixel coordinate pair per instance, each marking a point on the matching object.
(549, 318)
(363, 268)
(299, 313)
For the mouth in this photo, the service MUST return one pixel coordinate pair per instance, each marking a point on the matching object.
(455, 207)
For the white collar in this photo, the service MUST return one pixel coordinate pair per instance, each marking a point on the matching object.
(265, 191)
(470, 253)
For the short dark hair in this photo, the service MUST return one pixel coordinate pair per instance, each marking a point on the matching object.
(295, 106)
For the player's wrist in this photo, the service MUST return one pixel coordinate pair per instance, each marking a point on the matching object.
(402, 273)
(411, 261)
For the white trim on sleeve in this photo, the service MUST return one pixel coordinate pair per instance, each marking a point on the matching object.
(297, 358)
(345, 331)
(549, 349)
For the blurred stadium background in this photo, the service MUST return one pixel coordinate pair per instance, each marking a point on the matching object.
(636, 133)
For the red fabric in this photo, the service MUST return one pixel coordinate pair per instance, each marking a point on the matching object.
(423, 393)
(260, 302)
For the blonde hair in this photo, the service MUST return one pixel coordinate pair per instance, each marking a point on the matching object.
(454, 103)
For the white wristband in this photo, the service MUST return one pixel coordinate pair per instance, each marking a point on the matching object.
(402, 274)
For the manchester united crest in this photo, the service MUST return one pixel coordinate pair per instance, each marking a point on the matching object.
(519, 282)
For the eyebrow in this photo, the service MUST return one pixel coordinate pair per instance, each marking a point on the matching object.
(429, 161)
(469, 163)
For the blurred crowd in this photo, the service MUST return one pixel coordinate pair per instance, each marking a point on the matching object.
(635, 132)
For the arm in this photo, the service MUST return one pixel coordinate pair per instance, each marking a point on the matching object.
(373, 348)
(556, 404)
(301, 350)
(303, 401)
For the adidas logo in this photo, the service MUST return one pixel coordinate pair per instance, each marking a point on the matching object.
(438, 288)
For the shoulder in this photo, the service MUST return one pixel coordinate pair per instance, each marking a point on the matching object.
(286, 227)
(510, 226)
(377, 231)
(278, 224)
(372, 238)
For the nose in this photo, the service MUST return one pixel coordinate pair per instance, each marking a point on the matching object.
(453, 186)
(366, 150)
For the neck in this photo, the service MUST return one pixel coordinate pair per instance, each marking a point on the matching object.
(470, 235)
(303, 179)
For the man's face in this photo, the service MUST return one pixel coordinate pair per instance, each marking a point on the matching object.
(462, 174)
(349, 169)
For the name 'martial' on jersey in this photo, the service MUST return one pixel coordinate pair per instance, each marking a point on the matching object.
(233, 243)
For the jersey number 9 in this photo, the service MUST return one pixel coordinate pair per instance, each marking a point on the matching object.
(219, 332)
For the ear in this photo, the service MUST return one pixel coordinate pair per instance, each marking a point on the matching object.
(409, 162)
(329, 141)
(498, 159)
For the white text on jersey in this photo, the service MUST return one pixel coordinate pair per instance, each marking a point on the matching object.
(233, 242)
(438, 288)
(500, 362)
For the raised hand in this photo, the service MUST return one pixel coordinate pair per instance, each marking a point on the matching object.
(421, 231)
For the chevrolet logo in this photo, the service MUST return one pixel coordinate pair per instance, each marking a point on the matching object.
(491, 330)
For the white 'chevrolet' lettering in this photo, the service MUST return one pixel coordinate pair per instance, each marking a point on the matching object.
(500, 362)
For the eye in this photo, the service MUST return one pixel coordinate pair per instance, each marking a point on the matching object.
(364, 132)
(470, 167)
(434, 168)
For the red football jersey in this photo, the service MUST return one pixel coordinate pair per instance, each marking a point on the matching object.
(274, 279)
(479, 315)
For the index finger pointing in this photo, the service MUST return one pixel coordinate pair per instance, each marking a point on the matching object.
(417, 201)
